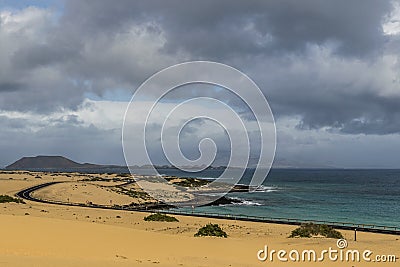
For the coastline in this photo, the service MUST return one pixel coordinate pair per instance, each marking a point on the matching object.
(26, 194)
(53, 235)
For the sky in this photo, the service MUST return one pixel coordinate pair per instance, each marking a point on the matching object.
(329, 69)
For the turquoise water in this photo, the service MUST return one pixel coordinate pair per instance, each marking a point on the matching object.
(355, 196)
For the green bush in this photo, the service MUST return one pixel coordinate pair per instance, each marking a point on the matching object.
(6, 199)
(159, 217)
(123, 175)
(311, 229)
(191, 182)
(211, 230)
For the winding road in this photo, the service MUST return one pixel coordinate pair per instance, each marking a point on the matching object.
(26, 194)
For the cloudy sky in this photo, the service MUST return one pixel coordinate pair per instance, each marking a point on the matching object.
(329, 69)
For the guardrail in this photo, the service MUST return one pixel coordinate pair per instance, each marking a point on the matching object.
(291, 221)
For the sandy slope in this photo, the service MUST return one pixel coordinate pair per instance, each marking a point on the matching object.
(36, 234)
(77, 192)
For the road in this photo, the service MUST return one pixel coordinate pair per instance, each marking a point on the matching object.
(26, 194)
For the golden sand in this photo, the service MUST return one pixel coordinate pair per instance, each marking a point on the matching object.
(37, 234)
(78, 192)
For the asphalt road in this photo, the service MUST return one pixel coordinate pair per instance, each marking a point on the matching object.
(26, 194)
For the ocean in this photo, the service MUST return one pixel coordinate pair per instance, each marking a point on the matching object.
(352, 196)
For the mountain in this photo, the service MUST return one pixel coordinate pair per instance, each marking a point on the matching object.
(48, 162)
(59, 162)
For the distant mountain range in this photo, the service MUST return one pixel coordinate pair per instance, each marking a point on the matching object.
(48, 162)
(59, 162)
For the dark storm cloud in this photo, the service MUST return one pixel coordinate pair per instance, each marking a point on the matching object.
(274, 30)
(263, 27)
(95, 46)
(224, 28)
(354, 25)
(367, 114)
(341, 94)
(10, 86)
(38, 55)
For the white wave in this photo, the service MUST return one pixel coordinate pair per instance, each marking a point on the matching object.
(244, 202)
(267, 189)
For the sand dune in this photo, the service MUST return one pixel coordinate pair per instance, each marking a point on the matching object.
(37, 234)
(78, 192)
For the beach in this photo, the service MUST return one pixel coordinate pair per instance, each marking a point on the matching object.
(40, 234)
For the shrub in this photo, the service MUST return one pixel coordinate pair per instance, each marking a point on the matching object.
(311, 229)
(159, 217)
(123, 175)
(6, 199)
(192, 182)
(211, 230)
